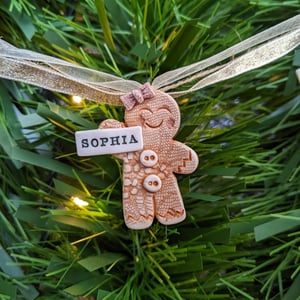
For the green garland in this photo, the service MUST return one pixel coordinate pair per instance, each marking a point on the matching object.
(241, 236)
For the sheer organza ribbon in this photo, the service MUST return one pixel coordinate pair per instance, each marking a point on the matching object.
(62, 76)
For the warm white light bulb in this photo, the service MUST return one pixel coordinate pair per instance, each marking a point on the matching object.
(77, 99)
(79, 202)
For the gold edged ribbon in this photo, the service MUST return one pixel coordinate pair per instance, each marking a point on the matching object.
(65, 77)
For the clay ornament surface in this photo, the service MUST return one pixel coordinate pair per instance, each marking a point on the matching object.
(150, 187)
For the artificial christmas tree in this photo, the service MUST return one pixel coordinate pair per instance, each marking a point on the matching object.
(62, 230)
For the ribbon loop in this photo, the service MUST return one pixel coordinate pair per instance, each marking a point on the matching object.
(137, 96)
(65, 77)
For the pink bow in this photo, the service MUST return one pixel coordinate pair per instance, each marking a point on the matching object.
(137, 96)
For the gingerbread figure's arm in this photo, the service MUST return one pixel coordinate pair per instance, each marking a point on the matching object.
(112, 123)
(184, 160)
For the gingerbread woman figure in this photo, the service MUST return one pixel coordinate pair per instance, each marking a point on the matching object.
(150, 188)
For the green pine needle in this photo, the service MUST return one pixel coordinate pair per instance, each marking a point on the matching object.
(241, 236)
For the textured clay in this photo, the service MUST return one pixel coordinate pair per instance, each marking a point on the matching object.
(150, 187)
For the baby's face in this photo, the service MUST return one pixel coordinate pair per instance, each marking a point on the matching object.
(159, 112)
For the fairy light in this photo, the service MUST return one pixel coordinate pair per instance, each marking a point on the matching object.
(79, 202)
(183, 101)
(77, 99)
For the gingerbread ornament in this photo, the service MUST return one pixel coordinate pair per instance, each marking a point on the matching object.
(150, 187)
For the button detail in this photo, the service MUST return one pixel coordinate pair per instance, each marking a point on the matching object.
(152, 183)
(148, 158)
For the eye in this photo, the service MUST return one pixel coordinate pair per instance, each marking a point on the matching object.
(145, 112)
(165, 107)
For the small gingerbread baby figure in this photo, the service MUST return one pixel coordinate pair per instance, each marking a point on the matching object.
(150, 188)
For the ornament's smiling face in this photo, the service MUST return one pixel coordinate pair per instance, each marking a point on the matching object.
(160, 112)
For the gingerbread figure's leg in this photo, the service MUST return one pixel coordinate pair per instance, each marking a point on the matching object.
(169, 208)
(138, 208)
(138, 204)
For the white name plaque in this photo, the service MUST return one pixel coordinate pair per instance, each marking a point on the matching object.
(108, 141)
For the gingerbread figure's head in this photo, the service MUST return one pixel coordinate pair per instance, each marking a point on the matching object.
(160, 112)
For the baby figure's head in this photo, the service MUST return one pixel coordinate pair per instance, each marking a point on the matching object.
(160, 112)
